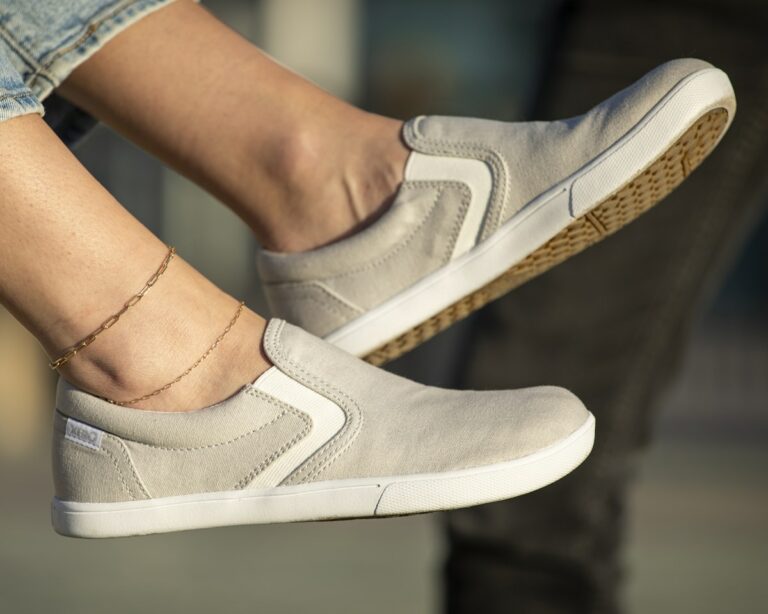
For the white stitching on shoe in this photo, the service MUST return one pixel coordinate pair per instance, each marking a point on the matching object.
(440, 187)
(495, 159)
(276, 454)
(334, 306)
(119, 473)
(142, 487)
(319, 461)
(286, 409)
(466, 200)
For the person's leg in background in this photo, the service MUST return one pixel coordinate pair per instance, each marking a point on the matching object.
(610, 324)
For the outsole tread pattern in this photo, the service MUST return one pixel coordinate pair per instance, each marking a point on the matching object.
(623, 206)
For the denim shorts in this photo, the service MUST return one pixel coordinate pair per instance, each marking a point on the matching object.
(43, 41)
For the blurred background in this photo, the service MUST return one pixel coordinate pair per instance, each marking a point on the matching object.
(697, 523)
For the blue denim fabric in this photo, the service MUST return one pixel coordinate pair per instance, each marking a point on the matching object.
(15, 97)
(43, 41)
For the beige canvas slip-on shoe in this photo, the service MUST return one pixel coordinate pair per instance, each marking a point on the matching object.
(487, 205)
(320, 435)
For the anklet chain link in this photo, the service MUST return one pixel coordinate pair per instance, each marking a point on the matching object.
(189, 370)
(112, 320)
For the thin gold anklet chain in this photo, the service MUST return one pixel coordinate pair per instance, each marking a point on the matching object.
(112, 320)
(190, 369)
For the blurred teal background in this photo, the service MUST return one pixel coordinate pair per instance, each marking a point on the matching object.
(702, 548)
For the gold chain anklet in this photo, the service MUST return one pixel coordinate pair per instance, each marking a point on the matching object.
(189, 370)
(112, 320)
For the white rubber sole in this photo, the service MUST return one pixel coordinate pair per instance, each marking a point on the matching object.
(544, 217)
(360, 498)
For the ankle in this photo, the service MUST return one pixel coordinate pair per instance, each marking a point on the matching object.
(163, 336)
(332, 185)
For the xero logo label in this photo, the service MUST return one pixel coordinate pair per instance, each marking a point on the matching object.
(83, 434)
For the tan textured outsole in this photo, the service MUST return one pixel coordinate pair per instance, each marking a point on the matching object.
(626, 204)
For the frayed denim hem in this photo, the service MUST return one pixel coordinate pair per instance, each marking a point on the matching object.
(16, 105)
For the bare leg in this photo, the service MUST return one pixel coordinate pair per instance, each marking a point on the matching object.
(70, 256)
(300, 166)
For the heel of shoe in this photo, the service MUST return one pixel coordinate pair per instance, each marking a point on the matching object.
(91, 465)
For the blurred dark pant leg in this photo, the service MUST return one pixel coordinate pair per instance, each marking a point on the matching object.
(610, 323)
